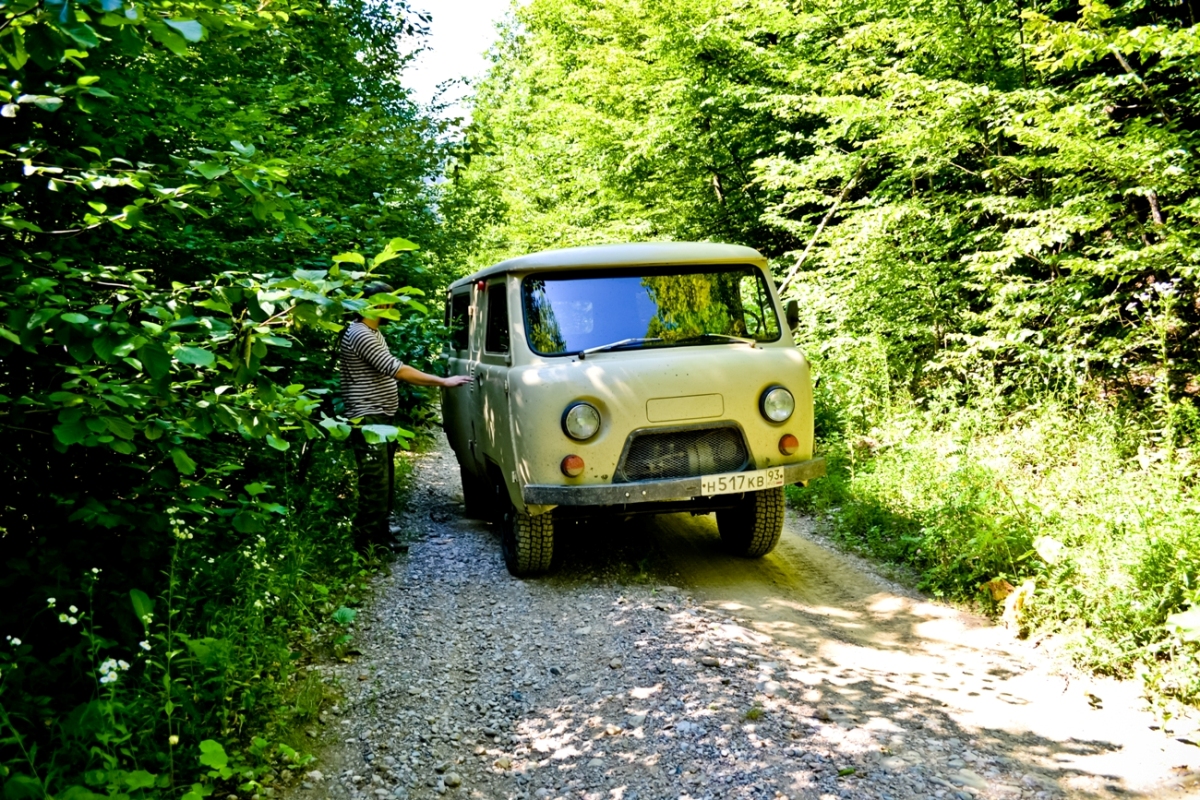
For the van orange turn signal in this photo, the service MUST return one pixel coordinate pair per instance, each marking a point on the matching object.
(788, 444)
(572, 466)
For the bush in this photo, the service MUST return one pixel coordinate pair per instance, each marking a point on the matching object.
(183, 507)
(1109, 532)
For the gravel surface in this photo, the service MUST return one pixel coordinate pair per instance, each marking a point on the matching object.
(632, 673)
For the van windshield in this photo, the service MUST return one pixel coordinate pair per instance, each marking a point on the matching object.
(566, 313)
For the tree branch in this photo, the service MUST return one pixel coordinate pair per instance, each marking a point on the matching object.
(1138, 79)
(787, 281)
(1155, 209)
(16, 17)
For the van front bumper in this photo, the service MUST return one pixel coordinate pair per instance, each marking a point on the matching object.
(619, 494)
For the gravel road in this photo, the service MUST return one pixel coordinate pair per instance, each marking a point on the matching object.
(650, 665)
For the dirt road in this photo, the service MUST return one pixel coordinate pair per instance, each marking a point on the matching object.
(651, 665)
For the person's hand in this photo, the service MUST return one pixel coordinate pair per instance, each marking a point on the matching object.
(456, 380)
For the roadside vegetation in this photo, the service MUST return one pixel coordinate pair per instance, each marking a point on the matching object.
(190, 195)
(987, 210)
(988, 214)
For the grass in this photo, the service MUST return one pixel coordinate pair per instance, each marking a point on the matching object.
(1105, 525)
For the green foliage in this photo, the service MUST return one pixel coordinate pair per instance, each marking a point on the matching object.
(997, 197)
(1105, 526)
(190, 195)
(988, 214)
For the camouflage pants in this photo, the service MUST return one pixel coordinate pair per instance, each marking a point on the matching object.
(376, 483)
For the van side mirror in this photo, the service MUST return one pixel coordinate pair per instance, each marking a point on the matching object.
(792, 312)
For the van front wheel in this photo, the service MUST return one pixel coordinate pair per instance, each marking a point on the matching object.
(528, 542)
(752, 528)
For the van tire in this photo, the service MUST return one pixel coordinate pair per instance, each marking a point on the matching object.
(753, 527)
(478, 496)
(527, 541)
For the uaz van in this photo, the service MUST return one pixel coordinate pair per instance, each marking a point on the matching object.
(626, 379)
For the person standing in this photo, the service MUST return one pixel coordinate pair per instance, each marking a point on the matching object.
(369, 373)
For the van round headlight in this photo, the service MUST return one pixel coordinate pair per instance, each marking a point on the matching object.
(777, 404)
(581, 421)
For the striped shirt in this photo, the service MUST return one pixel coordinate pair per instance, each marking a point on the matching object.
(368, 372)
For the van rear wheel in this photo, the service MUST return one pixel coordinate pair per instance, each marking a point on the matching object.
(527, 541)
(753, 527)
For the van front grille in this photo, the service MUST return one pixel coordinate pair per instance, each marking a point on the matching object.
(682, 454)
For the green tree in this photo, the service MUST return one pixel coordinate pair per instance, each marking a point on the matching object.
(187, 190)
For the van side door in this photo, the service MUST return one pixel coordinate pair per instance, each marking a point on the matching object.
(491, 377)
(456, 403)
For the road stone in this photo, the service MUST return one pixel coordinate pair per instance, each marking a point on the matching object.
(583, 682)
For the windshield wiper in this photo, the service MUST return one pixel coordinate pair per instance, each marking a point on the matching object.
(721, 336)
(618, 345)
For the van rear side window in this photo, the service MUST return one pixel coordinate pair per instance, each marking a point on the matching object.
(457, 320)
(497, 321)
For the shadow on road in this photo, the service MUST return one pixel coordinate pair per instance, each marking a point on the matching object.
(829, 647)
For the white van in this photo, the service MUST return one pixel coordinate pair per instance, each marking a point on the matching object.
(633, 378)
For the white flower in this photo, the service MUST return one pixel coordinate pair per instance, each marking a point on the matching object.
(95, 570)
(124, 665)
(50, 602)
(174, 740)
(73, 609)
(62, 617)
(108, 669)
(15, 641)
(144, 645)
(72, 620)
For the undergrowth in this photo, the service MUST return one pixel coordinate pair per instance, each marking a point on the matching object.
(117, 692)
(1082, 502)
(139, 663)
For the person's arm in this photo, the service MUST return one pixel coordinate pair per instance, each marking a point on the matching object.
(418, 378)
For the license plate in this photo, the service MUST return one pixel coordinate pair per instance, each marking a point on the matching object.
(734, 482)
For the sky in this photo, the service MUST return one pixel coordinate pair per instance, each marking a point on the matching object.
(460, 32)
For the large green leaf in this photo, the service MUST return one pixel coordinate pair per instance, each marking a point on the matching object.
(71, 432)
(212, 171)
(143, 607)
(191, 30)
(212, 754)
(140, 779)
(377, 434)
(195, 356)
(183, 461)
(155, 360)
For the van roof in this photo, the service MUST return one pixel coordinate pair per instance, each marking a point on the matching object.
(643, 253)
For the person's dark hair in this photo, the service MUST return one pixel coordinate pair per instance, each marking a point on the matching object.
(376, 287)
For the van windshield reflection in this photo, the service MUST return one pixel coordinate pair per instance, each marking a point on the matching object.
(568, 313)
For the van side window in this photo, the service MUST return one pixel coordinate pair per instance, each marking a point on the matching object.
(497, 321)
(456, 318)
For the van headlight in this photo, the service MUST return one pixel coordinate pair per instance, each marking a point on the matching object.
(581, 421)
(777, 404)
